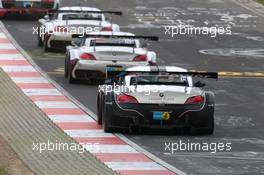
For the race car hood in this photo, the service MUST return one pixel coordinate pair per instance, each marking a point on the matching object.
(154, 94)
(107, 53)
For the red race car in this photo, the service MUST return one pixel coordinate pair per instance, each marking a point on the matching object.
(27, 6)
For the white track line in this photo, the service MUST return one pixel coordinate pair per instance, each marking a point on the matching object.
(18, 69)
(134, 166)
(29, 80)
(95, 133)
(97, 148)
(12, 57)
(55, 104)
(70, 118)
(42, 92)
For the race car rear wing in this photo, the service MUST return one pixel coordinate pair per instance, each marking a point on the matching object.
(115, 72)
(52, 11)
(119, 13)
(151, 38)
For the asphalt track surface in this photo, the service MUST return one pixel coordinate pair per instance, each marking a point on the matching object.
(239, 100)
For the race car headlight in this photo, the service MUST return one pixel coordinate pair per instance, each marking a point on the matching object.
(195, 100)
(123, 98)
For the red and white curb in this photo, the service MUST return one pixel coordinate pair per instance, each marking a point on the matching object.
(79, 125)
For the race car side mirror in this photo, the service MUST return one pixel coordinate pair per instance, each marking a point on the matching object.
(199, 84)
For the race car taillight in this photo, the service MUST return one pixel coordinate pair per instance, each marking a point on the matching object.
(60, 29)
(87, 56)
(107, 29)
(123, 98)
(140, 58)
(195, 100)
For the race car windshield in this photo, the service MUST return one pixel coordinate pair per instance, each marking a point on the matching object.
(113, 42)
(178, 80)
(82, 16)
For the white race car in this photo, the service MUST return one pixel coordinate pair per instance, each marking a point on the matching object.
(27, 6)
(87, 60)
(56, 31)
(156, 97)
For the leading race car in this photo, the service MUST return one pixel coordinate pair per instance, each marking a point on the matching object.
(155, 97)
(27, 6)
(55, 31)
(87, 60)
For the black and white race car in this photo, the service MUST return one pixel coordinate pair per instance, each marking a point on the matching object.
(56, 30)
(155, 97)
(89, 55)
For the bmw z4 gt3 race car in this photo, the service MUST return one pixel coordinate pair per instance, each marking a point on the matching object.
(155, 97)
(87, 60)
(55, 31)
(27, 6)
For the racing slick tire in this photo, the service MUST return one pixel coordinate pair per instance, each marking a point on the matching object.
(105, 124)
(40, 42)
(99, 109)
(209, 112)
(67, 71)
(66, 68)
(45, 46)
(72, 80)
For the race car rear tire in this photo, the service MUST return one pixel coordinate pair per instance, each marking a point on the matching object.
(46, 48)
(203, 131)
(99, 110)
(66, 69)
(105, 124)
(72, 80)
(40, 43)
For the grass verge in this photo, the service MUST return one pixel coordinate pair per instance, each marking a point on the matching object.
(3, 171)
(260, 1)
